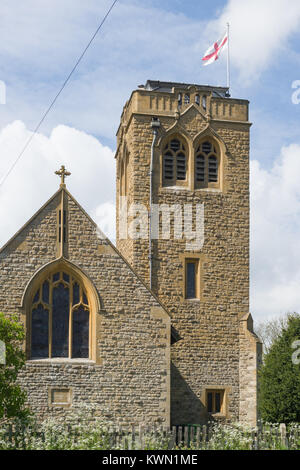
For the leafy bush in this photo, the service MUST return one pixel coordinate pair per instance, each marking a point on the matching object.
(12, 398)
(279, 395)
(84, 434)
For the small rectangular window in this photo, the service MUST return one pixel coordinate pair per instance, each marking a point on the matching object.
(214, 401)
(192, 279)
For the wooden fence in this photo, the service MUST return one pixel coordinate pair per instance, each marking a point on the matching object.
(195, 436)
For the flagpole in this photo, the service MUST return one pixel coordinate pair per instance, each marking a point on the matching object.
(228, 57)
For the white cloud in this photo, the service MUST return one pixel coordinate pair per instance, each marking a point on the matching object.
(260, 30)
(105, 216)
(33, 181)
(275, 235)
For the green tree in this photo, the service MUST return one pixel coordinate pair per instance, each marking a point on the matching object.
(279, 394)
(12, 398)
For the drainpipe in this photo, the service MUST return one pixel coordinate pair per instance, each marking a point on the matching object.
(155, 125)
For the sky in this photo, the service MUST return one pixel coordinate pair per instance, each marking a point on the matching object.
(160, 40)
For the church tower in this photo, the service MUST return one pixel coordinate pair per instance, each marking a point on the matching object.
(183, 177)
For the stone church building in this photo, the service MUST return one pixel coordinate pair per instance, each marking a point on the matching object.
(157, 329)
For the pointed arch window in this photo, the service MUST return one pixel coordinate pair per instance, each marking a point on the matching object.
(207, 165)
(60, 318)
(175, 163)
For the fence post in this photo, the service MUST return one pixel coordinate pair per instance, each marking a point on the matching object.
(132, 437)
(179, 435)
(141, 437)
(186, 436)
(172, 441)
(198, 437)
(204, 437)
(283, 438)
(192, 436)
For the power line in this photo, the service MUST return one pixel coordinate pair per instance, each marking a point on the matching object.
(56, 97)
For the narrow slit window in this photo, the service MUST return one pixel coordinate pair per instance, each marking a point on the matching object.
(62, 224)
(192, 279)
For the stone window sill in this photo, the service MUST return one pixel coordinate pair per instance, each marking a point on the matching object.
(176, 188)
(187, 188)
(209, 190)
(218, 415)
(61, 361)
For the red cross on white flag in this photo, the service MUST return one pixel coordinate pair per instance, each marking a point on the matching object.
(212, 54)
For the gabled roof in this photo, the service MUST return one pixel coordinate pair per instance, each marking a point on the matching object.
(174, 334)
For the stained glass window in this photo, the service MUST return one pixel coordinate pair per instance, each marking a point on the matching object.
(60, 318)
(80, 346)
(60, 321)
(46, 292)
(76, 296)
(40, 332)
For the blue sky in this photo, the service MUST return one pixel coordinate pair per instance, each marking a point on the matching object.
(156, 39)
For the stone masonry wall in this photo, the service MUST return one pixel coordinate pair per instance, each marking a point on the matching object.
(129, 382)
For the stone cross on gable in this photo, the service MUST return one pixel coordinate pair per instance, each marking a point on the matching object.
(62, 173)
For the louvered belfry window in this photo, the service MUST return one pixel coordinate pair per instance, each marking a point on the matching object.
(206, 165)
(174, 162)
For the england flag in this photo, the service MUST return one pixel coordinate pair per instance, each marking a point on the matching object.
(212, 54)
